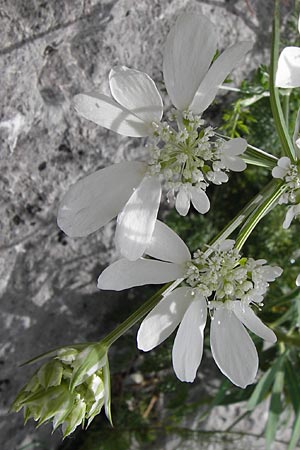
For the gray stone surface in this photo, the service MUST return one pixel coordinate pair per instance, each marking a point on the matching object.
(49, 51)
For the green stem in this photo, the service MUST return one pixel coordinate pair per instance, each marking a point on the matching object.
(275, 191)
(139, 313)
(287, 146)
(286, 105)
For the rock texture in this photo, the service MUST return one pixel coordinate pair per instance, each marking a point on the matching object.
(51, 50)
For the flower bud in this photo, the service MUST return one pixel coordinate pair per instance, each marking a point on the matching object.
(69, 389)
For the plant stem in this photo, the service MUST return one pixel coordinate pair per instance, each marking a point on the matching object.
(287, 146)
(139, 313)
(275, 191)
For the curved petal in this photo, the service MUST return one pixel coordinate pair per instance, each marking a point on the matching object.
(163, 319)
(289, 217)
(221, 67)
(137, 92)
(124, 274)
(232, 348)
(200, 200)
(234, 147)
(298, 280)
(96, 199)
(182, 203)
(288, 70)
(104, 111)
(188, 345)
(234, 163)
(167, 245)
(189, 50)
(137, 220)
(247, 316)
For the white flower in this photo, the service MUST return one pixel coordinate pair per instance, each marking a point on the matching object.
(289, 172)
(288, 70)
(135, 108)
(218, 280)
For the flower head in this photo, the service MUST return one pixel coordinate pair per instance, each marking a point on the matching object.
(218, 281)
(289, 172)
(185, 154)
(69, 389)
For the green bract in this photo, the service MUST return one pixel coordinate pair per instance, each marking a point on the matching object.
(69, 389)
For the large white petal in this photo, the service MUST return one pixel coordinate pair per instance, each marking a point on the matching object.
(96, 199)
(234, 147)
(167, 245)
(188, 345)
(200, 200)
(288, 70)
(163, 319)
(221, 67)
(124, 274)
(189, 50)
(137, 92)
(137, 220)
(103, 110)
(232, 348)
(245, 314)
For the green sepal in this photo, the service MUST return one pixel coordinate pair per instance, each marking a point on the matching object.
(50, 374)
(87, 362)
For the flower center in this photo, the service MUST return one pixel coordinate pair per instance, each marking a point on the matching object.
(226, 276)
(292, 180)
(185, 152)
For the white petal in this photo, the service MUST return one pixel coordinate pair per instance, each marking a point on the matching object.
(167, 245)
(247, 316)
(200, 200)
(298, 280)
(137, 220)
(284, 162)
(232, 348)
(288, 70)
(278, 172)
(221, 67)
(163, 319)
(190, 47)
(137, 92)
(182, 203)
(124, 274)
(107, 113)
(234, 147)
(96, 199)
(234, 163)
(188, 345)
(289, 217)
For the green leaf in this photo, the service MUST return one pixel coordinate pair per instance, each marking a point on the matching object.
(275, 409)
(295, 433)
(264, 384)
(281, 128)
(293, 385)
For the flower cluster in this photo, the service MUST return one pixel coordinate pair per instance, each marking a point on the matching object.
(69, 389)
(189, 155)
(225, 275)
(290, 173)
(218, 280)
(187, 158)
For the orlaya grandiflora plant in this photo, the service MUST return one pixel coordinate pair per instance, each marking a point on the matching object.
(218, 281)
(289, 172)
(288, 70)
(184, 152)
